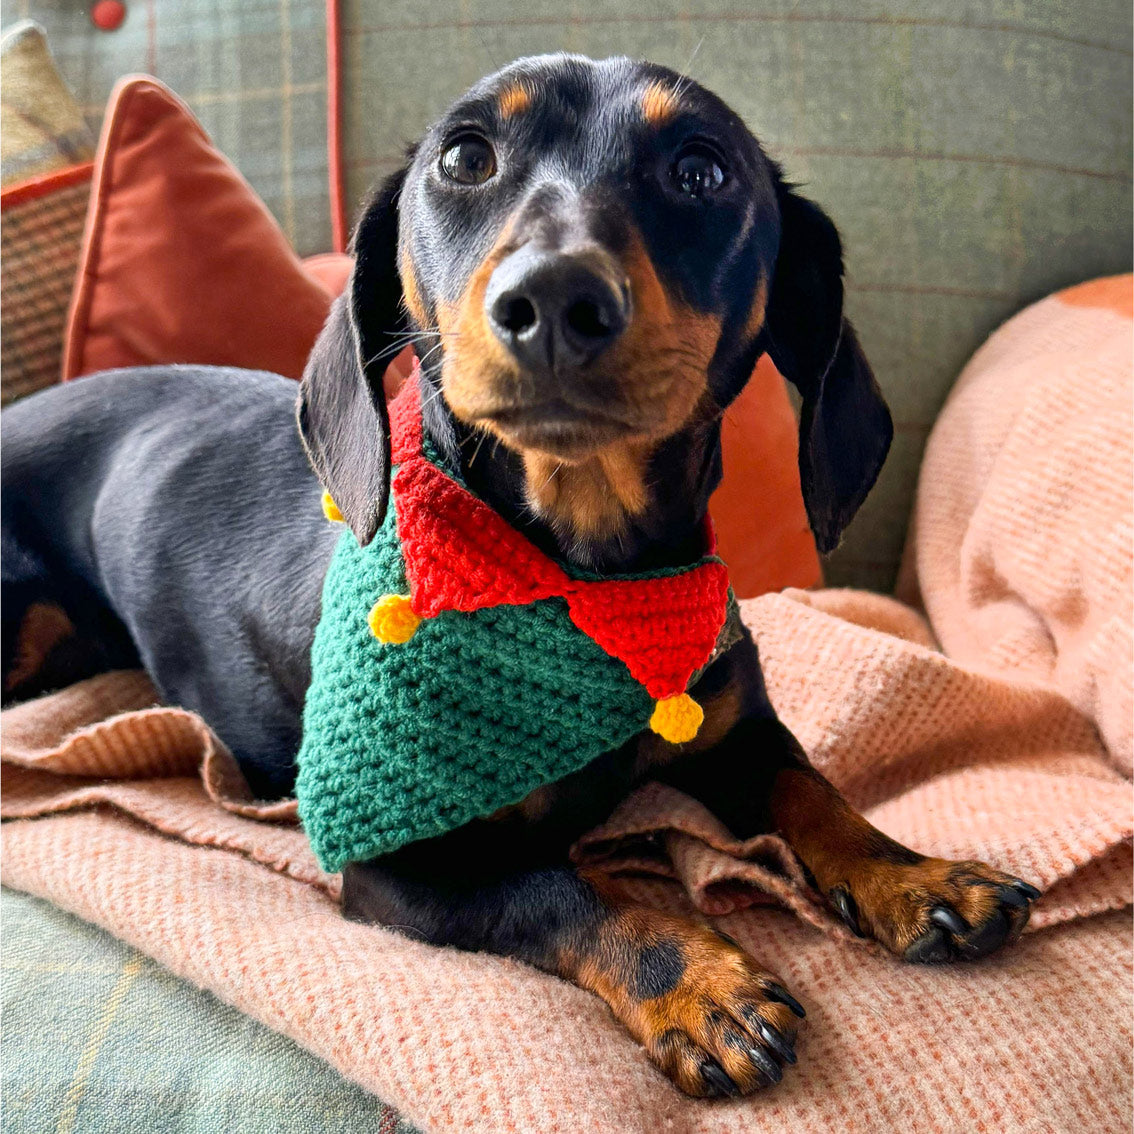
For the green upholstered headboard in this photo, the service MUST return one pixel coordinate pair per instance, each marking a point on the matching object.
(975, 155)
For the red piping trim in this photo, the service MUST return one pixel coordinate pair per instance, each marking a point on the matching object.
(45, 183)
(334, 127)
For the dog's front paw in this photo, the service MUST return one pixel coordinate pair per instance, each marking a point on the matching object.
(707, 1015)
(934, 910)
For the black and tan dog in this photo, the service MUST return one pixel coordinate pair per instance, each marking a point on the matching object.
(590, 257)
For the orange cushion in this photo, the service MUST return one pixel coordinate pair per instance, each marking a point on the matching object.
(181, 261)
(762, 529)
(331, 269)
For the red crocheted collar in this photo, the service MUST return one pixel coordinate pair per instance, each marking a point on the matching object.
(462, 555)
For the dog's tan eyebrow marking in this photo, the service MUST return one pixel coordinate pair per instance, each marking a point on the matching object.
(514, 99)
(659, 104)
(755, 322)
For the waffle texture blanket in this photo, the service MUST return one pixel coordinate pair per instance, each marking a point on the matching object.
(998, 729)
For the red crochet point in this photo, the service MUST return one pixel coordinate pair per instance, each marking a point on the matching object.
(459, 553)
(405, 419)
(663, 629)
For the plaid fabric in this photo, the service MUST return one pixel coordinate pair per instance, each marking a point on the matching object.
(41, 126)
(39, 246)
(45, 153)
(99, 1038)
(975, 157)
(254, 72)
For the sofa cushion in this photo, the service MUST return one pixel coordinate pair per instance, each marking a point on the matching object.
(45, 171)
(98, 1037)
(181, 260)
(42, 129)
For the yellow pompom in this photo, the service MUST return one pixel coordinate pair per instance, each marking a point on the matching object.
(392, 620)
(677, 719)
(331, 509)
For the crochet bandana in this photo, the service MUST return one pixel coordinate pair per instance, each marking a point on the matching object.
(456, 667)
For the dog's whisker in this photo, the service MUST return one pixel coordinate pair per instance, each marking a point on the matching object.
(476, 451)
(387, 354)
(551, 476)
(686, 80)
(496, 65)
(402, 339)
(429, 353)
(408, 929)
(434, 395)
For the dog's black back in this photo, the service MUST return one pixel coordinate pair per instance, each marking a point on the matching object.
(120, 492)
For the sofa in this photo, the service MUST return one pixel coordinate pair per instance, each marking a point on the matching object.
(975, 158)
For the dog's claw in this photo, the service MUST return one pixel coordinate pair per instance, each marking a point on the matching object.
(719, 1079)
(766, 1063)
(776, 992)
(845, 907)
(777, 1043)
(930, 948)
(949, 919)
(987, 938)
(1012, 896)
(1028, 890)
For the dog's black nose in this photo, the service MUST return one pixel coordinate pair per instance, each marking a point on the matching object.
(554, 309)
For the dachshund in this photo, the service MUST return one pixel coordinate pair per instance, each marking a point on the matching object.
(589, 257)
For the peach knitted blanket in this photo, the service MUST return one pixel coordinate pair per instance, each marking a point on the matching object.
(1002, 733)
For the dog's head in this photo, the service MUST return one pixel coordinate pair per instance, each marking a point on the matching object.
(590, 257)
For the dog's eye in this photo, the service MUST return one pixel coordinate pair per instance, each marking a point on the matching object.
(697, 171)
(469, 160)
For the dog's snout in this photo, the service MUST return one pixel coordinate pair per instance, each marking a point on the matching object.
(554, 310)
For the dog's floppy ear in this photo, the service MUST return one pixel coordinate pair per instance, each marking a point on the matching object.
(845, 428)
(342, 406)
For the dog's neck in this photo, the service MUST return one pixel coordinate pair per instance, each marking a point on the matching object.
(669, 531)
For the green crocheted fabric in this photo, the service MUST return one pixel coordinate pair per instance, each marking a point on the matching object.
(407, 741)
(456, 667)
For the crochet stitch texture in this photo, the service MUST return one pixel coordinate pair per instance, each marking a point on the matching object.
(456, 668)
